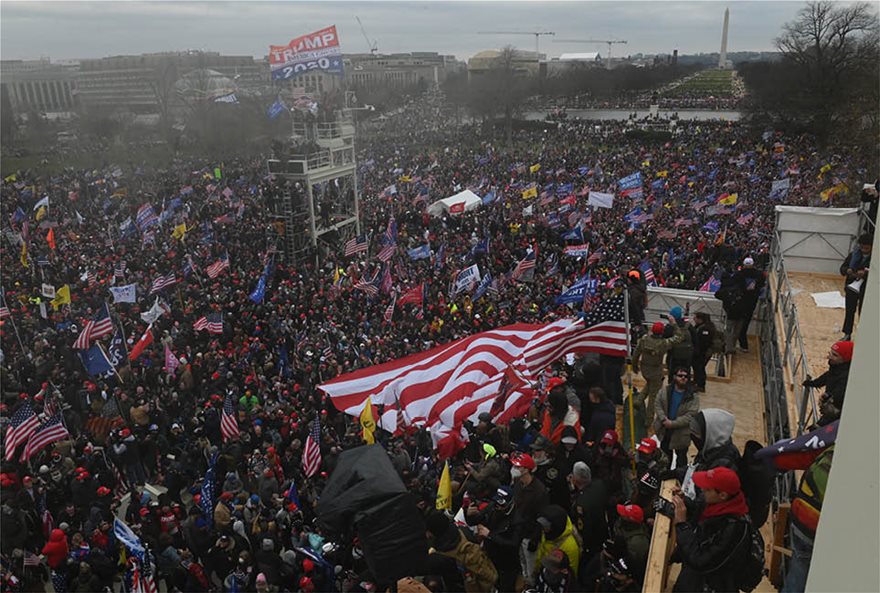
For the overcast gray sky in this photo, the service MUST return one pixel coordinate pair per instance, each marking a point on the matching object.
(74, 29)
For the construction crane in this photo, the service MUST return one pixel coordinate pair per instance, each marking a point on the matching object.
(610, 42)
(537, 35)
(373, 45)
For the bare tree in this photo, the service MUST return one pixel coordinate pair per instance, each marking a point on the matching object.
(834, 52)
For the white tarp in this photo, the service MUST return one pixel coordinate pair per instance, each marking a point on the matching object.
(815, 239)
(470, 199)
(829, 300)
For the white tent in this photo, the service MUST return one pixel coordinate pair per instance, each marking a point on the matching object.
(441, 207)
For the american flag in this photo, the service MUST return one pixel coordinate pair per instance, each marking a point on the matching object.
(119, 270)
(47, 433)
(31, 559)
(390, 232)
(311, 458)
(4, 310)
(213, 323)
(387, 252)
(648, 273)
(371, 287)
(22, 425)
(163, 282)
(146, 216)
(414, 295)
(359, 244)
(525, 265)
(98, 327)
(228, 421)
(442, 387)
(148, 583)
(218, 266)
(328, 349)
(389, 310)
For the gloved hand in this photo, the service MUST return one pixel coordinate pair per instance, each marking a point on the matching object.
(808, 382)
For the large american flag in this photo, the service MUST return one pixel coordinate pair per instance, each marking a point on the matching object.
(228, 421)
(218, 266)
(163, 281)
(357, 245)
(23, 424)
(449, 384)
(99, 326)
(50, 431)
(213, 323)
(312, 451)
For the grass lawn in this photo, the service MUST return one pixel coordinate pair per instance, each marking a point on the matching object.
(707, 82)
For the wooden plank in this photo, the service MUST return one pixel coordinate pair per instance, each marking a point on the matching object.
(662, 545)
(775, 572)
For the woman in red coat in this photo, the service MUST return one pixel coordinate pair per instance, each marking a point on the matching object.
(55, 549)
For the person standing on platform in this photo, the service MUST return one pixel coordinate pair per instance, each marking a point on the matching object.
(675, 407)
(855, 269)
(648, 359)
(707, 341)
(682, 353)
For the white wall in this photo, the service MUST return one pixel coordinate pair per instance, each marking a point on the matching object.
(815, 239)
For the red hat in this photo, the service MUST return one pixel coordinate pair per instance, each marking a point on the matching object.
(554, 383)
(103, 491)
(523, 460)
(305, 583)
(609, 437)
(657, 328)
(631, 512)
(125, 433)
(844, 348)
(647, 446)
(308, 566)
(144, 511)
(722, 479)
(634, 274)
(226, 496)
(84, 475)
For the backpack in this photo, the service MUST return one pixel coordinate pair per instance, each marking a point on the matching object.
(751, 569)
(756, 479)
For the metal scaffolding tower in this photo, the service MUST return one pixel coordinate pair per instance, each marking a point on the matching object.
(319, 202)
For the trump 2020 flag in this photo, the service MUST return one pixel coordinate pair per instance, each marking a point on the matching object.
(95, 361)
(124, 294)
(276, 109)
(422, 252)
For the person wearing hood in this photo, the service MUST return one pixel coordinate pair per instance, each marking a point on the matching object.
(713, 548)
(571, 450)
(834, 381)
(559, 413)
(589, 502)
(648, 359)
(447, 540)
(501, 534)
(56, 549)
(676, 405)
(557, 532)
(712, 435)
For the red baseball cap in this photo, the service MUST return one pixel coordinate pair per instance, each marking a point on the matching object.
(523, 460)
(657, 328)
(631, 512)
(722, 479)
(647, 446)
(844, 348)
(609, 437)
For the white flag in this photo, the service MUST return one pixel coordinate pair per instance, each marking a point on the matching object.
(600, 200)
(124, 294)
(156, 311)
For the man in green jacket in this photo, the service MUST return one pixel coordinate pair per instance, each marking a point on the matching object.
(673, 410)
(648, 359)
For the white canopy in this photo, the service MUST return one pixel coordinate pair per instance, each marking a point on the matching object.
(441, 207)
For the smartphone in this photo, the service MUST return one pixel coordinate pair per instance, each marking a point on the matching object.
(665, 507)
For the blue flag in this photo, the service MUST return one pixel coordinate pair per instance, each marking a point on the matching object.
(208, 490)
(423, 252)
(276, 109)
(630, 181)
(576, 292)
(489, 198)
(284, 361)
(95, 361)
(482, 287)
(259, 292)
(293, 494)
(575, 234)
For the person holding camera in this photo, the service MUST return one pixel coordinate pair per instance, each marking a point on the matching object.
(713, 549)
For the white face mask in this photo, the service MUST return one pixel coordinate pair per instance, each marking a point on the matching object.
(515, 472)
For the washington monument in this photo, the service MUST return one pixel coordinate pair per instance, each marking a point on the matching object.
(722, 60)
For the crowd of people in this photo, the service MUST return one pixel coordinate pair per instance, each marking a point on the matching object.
(554, 500)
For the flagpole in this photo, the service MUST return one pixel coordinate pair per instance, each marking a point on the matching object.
(17, 335)
(629, 379)
(115, 372)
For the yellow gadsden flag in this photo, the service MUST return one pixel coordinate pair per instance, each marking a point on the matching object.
(729, 199)
(535, 168)
(179, 231)
(532, 192)
(368, 424)
(444, 490)
(23, 258)
(62, 297)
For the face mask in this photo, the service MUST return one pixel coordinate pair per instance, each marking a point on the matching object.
(515, 472)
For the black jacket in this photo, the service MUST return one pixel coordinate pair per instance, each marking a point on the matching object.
(711, 553)
(833, 380)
